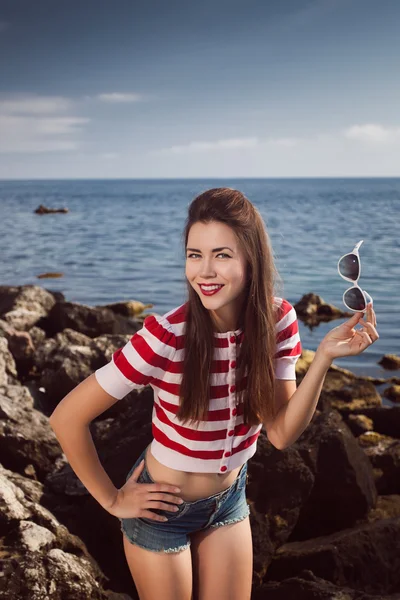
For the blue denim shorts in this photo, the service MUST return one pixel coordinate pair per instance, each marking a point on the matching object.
(223, 508)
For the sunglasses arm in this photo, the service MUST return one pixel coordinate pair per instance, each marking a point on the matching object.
(356, 247)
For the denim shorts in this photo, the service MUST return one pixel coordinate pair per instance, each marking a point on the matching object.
(223, 508)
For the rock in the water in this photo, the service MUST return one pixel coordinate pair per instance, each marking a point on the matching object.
(43, 210)
(390, 361)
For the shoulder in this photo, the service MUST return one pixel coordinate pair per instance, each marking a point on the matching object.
(166, 327)
(175, 319)
(283, 309)
(285, 313)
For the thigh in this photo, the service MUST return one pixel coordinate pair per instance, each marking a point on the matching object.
(222, 560)
(158, 574)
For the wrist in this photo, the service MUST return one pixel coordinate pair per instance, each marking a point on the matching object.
(111, 502)
(322, 358)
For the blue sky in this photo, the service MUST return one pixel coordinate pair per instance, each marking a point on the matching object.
(288, 88)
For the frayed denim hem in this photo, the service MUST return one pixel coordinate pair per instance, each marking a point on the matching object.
(230, 521)
(166, 550)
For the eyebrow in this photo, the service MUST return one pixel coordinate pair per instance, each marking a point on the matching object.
(214, 250)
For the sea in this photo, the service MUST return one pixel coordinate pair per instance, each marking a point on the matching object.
(122, 240)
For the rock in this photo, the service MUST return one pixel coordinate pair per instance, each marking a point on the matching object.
(387, 507)
(386, 419)
(312, 310)
(37, 335)
(39, 557)
(392, 393)
(8, 369)
(66, 360)
(43, 210)
(307, 586)
(365, 557)
(324, 512)
(360, 424)
(344, 480)
(347, 393)
(384, 454)
(131, 308)
(49, 275)
(53, 351)
(87, 320)
(106, 345)
(26, 437)
(22, 307)
(390, 361)
(20, 343)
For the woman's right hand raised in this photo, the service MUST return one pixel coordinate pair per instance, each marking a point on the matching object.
(134, 499)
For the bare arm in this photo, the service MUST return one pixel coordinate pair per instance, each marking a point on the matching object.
(294, 416)
(70, 423)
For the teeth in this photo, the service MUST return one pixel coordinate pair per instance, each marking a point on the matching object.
(209, 288)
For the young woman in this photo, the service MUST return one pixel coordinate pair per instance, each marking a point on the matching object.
(221, 365)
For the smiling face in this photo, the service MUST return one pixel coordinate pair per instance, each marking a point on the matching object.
(214, 257)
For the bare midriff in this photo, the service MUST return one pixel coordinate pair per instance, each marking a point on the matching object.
(193, 486)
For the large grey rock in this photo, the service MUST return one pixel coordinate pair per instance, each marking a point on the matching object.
(39, 557)
(23, 306)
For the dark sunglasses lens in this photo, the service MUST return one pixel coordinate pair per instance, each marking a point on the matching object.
(349, 266)
(354, 299)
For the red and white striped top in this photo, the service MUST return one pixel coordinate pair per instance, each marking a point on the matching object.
(154, 356)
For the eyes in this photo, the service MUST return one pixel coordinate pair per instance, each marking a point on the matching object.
(220, 254)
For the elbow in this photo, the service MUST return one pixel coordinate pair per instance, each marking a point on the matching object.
(57, 419)
(54, 416)
(53, 422)
(281, 446)
(274, 439)
(276, 442)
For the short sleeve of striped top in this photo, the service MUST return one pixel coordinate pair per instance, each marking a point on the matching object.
(143, 360)
(288, 344)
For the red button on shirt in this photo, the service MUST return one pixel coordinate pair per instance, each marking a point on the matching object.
(234, 411)
(231, 432)
(232, 339)
(233, 364)
(232, 388)
(227, 453)
(223, 468)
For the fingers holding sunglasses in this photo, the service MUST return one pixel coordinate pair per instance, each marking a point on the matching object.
(364, 337)
(371, 316)
(370, 330)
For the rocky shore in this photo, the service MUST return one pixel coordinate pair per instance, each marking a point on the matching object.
(325, 512)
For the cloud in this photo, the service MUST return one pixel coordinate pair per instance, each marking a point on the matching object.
(27, 125)
(37, 105)
(372, 133)
(226, 144)
(116, 97)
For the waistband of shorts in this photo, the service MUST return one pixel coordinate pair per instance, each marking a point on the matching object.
(145, 475)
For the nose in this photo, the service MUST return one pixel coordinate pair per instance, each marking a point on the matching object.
(207, 269)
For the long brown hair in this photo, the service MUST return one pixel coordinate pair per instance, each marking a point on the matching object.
(257, 320)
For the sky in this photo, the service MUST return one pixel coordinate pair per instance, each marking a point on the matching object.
(218, 88)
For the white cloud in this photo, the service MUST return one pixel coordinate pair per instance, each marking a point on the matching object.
(373, 133)
(37, 105)
(116, 97)
(226, 144)
(27, 124)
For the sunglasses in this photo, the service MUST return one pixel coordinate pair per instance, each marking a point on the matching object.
(349, 268)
